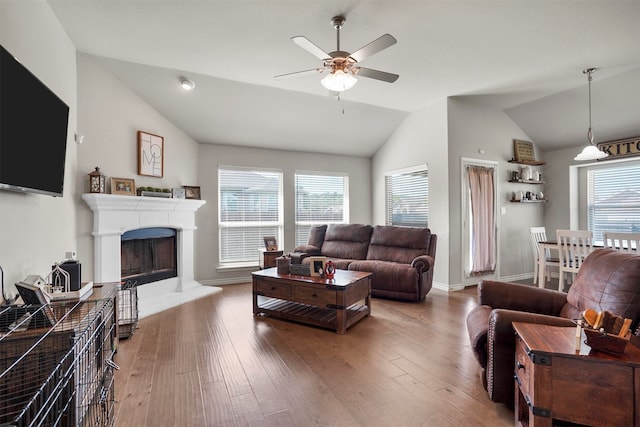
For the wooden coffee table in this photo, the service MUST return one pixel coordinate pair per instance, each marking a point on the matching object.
(335, 304)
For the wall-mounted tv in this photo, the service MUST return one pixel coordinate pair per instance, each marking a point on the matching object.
(33, 131)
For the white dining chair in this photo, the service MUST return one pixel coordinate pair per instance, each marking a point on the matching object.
(573, 247)
(626, 242)
(539, 234)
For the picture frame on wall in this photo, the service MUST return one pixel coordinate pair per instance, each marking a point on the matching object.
(191, 192)
(123, 186)
(317, 265)
(150, 154)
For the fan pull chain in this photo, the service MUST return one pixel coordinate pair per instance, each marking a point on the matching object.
(341, 102)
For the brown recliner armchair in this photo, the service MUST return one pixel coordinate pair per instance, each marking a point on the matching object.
(608, 280)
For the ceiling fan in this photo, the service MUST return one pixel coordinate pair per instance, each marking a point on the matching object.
(341, 66)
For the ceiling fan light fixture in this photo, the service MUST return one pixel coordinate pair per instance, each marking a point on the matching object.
(187, 84)
(591, 151)
(339, 81)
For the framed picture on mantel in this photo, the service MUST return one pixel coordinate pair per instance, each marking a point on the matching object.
(123, 186)
(191, 192)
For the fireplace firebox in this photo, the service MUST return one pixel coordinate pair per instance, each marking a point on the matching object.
(148, 255)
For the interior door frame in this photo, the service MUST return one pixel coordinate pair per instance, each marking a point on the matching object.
(464, 206)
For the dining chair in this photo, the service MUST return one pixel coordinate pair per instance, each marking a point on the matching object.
(539, 234)
(573, 247)
(626, 242)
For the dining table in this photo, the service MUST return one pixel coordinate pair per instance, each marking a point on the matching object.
(552, 246)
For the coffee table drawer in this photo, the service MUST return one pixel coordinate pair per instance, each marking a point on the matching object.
(274, 289)
(314, 296)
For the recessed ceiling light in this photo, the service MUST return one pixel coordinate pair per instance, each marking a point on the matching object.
(187, 84)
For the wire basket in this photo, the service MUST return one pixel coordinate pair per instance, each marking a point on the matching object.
(55, 365)
(127, 308)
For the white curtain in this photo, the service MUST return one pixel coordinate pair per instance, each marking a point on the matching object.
(483, 238)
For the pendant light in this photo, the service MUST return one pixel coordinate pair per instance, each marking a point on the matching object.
(591, 151)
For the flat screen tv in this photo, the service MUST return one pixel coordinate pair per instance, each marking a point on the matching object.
(33, 131)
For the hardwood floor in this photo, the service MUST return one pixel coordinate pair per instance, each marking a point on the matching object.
(210, 362)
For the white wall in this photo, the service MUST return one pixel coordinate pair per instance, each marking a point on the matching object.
(420, 139)
(37, 230)
(211, 156)
(440, 135)
(474, 127)
(557, 189)
(109, 117)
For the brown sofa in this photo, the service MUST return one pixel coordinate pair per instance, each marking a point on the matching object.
(400, 258)
(607, 280)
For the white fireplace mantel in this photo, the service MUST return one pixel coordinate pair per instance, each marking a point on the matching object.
(113, 215)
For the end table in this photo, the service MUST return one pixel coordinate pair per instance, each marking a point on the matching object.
(554, 381)
(267, 259)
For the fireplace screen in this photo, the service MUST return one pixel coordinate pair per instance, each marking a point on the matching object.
(148, 255)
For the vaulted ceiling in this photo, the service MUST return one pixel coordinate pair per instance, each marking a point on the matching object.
(523, 57)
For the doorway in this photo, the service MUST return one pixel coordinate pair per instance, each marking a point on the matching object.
(479, 220)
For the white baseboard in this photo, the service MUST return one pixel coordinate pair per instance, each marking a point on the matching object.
(229, 281)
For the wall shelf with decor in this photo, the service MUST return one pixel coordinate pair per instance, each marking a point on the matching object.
(526, 174)
(527, 162)
(529, 201)
(526, 181)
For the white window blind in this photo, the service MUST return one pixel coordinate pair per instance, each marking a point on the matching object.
(613, 200)
(250, 208)
(407, 198)
(320, 199)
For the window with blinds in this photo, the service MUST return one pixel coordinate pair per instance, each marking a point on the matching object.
(407, 197)
(250, 207)
(320, 199)
(613, 200)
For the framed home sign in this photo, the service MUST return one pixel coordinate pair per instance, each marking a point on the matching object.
(523, 151)
(150, 154)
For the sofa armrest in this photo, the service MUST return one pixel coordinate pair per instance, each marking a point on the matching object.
(423, 263)
(515, 296)
(302, 252)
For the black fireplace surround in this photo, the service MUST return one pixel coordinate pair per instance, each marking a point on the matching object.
(148, 255)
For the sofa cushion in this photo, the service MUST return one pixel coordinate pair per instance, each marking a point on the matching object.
(316, 235)
(348, 241)
(607, 280)
(390, 276)
(398, 244)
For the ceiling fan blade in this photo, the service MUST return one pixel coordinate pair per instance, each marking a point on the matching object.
(375, 74)
(297, 73)
(310, 47)
(375, 46)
